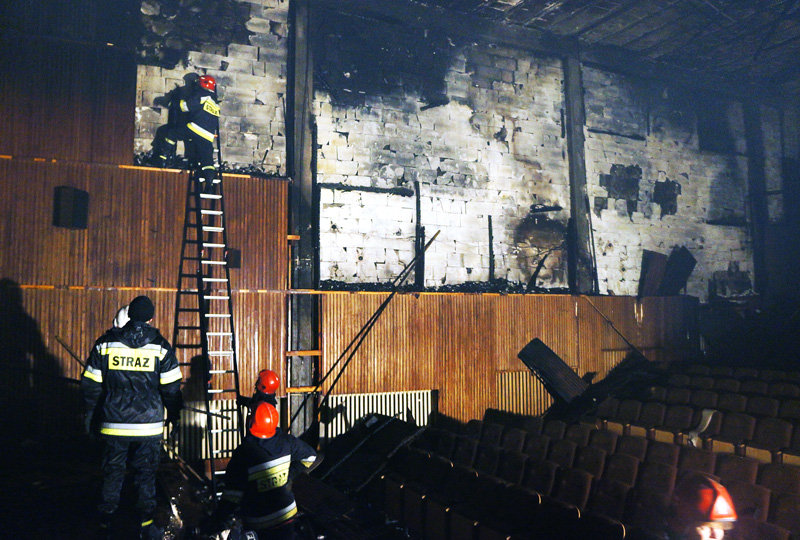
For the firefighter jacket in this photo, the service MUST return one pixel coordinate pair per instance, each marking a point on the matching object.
(130, 376)
(202, 112)
(257, 398)
(258, 479)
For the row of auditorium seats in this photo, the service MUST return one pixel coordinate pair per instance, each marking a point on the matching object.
(729, 400)
(737, 372)
(747, 387)
(765, 437)
(553, 480)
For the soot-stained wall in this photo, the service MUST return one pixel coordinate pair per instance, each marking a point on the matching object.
(654, 186)
(411, 122)
(243, 44)
(472, 131)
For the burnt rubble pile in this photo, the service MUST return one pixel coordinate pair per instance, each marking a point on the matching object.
(501, 286)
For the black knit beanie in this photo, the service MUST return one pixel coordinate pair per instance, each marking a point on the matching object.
(141, 309)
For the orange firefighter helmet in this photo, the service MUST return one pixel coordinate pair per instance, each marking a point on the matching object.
(700, 500)
(263, 422)
(268, 381)
(208, 82)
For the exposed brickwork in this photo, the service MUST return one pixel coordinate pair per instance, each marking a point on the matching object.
(251, 79)
(477, 130)
(494, 149)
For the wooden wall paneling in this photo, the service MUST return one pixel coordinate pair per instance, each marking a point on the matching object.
(67, 101)
(256, 217)
(135, 227)
(34, 251)
(260, 320)
(458, 344)
(113, 105)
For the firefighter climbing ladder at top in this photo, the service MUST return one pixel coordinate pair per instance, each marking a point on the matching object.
(203, 328)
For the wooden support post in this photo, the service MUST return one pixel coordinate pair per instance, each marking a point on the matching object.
(756, 194)
(304, 208)
(582, 272)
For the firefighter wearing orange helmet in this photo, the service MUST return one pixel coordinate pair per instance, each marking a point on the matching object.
(258, 478)
(266, 386)
(701, 509)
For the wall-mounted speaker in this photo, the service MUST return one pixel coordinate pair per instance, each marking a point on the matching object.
(70, 208)
(233, 257)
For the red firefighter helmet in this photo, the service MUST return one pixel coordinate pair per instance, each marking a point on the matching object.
(263, 422)
(208, 82)
(699, 500)
(268, 381)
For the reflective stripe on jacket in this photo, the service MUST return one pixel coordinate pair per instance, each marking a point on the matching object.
(258, 478)
(130, 376)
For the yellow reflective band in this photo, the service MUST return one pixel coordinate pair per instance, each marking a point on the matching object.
(272, 519)
(169, 141)
(171, 376)
(132, 430)
(184, 106)
(146, 523)
(207, 135)
(210, 168)
(96, 377)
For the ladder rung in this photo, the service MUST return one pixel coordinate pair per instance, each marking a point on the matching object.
(214, 262)
(220, 353)
(211, 212)
(212, 245)
(215, 279)
(222, 390)
(210, 196)
(209, 228)
(218, 315)
(219, 371)
(211, 297)
(219, 333)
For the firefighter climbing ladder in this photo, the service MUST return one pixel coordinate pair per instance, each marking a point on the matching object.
(203, 328)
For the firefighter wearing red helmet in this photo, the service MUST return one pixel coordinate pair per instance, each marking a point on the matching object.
(266, 385)
(258, 478)
(198, 129)
(701, 509)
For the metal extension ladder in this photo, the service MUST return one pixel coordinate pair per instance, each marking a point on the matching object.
(203, 330)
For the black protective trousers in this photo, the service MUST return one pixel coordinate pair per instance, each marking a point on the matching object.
(199, 151)
(144, 455)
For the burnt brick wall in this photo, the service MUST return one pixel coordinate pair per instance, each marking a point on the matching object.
(243, 44)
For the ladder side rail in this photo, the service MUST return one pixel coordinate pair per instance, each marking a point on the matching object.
(203, 311)
(234, 359)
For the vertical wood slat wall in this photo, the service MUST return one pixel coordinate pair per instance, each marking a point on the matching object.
(65, 100)
(463, 344)
(67, 284)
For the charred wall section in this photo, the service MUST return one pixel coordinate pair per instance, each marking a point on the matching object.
(244, 46)
(658, 179)
(471, 131)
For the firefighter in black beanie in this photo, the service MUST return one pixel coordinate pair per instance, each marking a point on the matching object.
(198, 130)
(131, 376)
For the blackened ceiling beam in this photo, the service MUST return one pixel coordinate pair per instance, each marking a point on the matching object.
(649, 23)
(619, 11)
(423, 16)
(655, 34)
